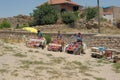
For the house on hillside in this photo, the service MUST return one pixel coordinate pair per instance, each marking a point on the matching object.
(111, 13)
(108, 13)
(65, 5)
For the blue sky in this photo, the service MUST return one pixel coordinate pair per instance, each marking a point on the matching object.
(10, 8)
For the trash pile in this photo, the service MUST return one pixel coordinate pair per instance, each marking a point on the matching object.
(102, 52)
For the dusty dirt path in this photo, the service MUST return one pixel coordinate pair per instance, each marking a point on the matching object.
(17, 62)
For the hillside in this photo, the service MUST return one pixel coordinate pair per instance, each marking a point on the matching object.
(17, 20)
(67, 29)
(79, 26)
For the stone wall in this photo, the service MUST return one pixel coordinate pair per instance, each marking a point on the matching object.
(92, 40)
(112, 42)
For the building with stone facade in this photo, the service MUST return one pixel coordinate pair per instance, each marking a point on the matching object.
(111, 13)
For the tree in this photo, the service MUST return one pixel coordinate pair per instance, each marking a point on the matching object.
(68, 17)
(44, 14)
(91, 13)
(5, 24)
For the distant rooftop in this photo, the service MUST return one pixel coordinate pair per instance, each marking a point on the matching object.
(62, 2)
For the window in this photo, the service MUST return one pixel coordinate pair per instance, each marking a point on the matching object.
(75, 8)
(63, 10)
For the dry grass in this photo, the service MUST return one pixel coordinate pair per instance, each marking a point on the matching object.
(57, 60)
(32, 62)
(2, 53)
(116, 67)
(35, 64)
(67, 29)
(97, 78)
(81, 67)
(49, 55)
(3, 70)
(30, 50)
(20, 55)
(15, 73)
(8, 48)
(42, 68)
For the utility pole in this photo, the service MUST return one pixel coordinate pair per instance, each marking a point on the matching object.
(98, 16)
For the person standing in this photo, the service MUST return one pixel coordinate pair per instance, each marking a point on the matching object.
(79, 37)
(60, 40)
(39, 34)
(59, 35)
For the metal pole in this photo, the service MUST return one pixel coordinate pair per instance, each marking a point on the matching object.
(98, 16)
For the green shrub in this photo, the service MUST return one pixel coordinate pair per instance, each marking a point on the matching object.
(48, 38)
(91, 13)
(82, 15)
(76, 13)
(5, 24)
(68, 17)
(32, 23)
(103, 19)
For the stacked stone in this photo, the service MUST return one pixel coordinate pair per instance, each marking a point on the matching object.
(112, 42)
(108, 42)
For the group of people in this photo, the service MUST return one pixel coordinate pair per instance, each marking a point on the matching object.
(40, 34)
(78, 38)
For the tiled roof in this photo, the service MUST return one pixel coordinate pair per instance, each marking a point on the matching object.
(61, 2)
(107, 13)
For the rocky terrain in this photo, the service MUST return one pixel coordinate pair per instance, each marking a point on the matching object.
(17, 20)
